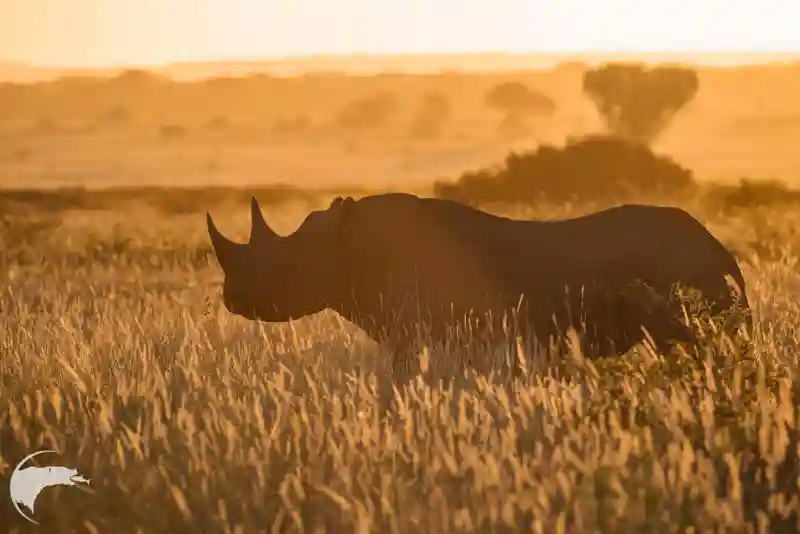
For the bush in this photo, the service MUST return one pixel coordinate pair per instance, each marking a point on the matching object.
(219, 122)
(46, 125)
(591, 168)
(751, 194)
(430, 117)
(367, 113)
(518, 104)
(115, 116)
(295, 124)
(172, 131)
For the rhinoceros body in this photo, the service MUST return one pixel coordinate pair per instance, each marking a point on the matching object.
(400, 266)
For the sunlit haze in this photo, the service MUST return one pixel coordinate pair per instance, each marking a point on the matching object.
(88, 33)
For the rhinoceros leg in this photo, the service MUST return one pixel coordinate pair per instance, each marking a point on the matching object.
(404, 369)
(614, 319)
(649, 310)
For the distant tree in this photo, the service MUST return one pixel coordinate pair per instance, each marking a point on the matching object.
(135, 80)
(430, 117)
(219, 122)
(172, 131)
(638, 103)
(294, 124)
(135, 88)
(518, 103)
(47, 125)
(138, 77)
(367, 113)
(114, 116)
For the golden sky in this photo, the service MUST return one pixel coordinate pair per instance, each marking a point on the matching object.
(150, 32)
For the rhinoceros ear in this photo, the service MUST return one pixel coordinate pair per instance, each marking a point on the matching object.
(260, 231)
(342, 204)
(342, 209)
(340, 201)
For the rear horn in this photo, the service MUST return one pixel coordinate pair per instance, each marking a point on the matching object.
(259, 229)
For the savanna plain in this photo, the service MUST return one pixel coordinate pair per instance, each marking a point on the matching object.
(117, 352)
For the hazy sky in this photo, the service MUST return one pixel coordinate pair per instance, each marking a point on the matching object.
(126, 32)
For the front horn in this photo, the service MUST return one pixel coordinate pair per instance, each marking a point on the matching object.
(223, 247)
(259, 229)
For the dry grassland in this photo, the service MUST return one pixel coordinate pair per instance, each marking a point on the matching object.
(116, 353)
(114, 350)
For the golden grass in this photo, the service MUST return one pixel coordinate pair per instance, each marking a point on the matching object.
(116, 353)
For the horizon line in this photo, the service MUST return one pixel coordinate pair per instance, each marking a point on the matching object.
(558, 58)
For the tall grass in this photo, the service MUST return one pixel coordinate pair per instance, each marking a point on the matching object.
(188, 419)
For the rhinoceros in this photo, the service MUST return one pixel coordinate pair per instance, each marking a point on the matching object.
(394, 263)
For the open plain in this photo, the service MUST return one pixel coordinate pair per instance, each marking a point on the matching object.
(117, 353)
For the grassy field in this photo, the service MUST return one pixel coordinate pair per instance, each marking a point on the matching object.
(117, 354)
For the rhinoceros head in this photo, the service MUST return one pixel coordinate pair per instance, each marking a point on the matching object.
(276, 278)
